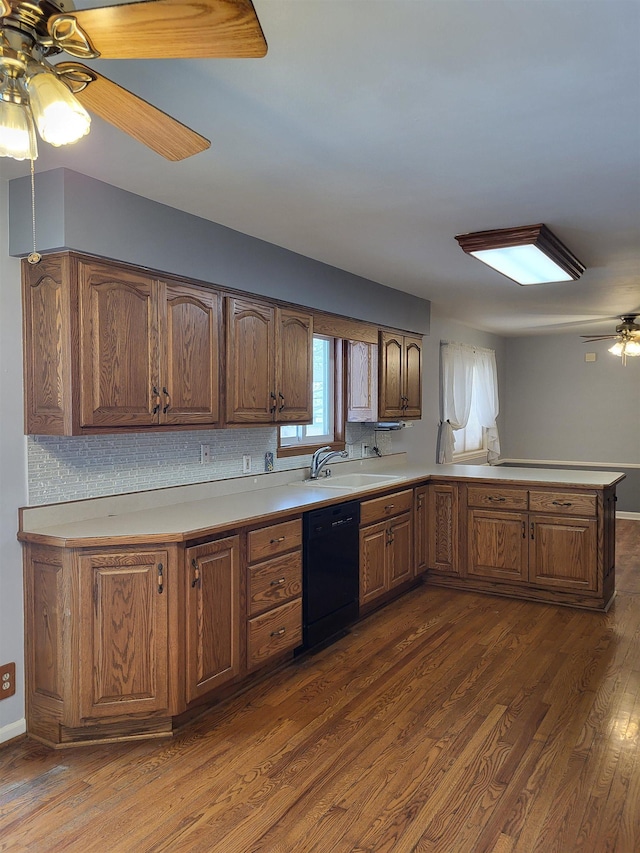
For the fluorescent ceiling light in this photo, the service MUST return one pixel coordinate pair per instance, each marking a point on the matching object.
(530, 254)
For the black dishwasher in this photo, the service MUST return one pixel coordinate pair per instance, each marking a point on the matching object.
(330, 575)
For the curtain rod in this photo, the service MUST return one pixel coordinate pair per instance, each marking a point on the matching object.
(466, 346)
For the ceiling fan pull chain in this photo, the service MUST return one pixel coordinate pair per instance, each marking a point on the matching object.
(35, 257)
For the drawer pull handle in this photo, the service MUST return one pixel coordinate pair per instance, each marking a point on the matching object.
(562, 503)
(389, 506)
(279, 632)
(278, 582)
(497, 500)
(160, 578)
(275, 541)
(197, 580)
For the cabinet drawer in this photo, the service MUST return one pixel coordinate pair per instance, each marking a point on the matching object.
(275, 581)
(386, 507)
(497, 498)
(276, 539)
(274, 632)
(567, 503)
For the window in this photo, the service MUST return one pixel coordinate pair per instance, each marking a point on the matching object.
(326, 426)
(468, 403)
(471, 440)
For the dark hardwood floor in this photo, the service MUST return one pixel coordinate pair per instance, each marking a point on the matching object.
(448, 722)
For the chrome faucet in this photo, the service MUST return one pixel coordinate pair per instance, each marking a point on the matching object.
(317, 464)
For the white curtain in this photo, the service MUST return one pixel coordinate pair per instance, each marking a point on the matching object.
(463, 369)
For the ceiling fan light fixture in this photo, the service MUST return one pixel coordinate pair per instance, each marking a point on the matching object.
(59, 116)
(530, 254)
(626, 347)
(17, 134)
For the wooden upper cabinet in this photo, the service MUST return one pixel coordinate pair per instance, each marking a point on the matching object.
(250, 361)
(108, 346)
(190, 355)
(48, 330)
(118, 346)
(269, 363)
(294, 366)
(400, 394)
(362, 381)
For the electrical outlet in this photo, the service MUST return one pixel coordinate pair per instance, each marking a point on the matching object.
(7, 680)
(205, 454)
(246, 464)
(364, 450)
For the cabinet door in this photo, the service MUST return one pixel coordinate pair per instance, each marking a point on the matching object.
(294, 366)
(563, 552)
(123, 634)
(497, 545)
(400, 551)
(189, 375)
(118, 346)
(412, 378)
(47, 347)
(390, 387)
(250, 370)
(362, 382)
(374, 544)
(421, 529)
(213, 615)
(443, 529)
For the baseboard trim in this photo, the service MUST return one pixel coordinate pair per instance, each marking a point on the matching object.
(632, 516)
(13, 730)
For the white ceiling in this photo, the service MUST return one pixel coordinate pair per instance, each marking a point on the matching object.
(376, 130)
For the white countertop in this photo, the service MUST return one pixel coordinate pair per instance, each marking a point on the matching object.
(186, 512)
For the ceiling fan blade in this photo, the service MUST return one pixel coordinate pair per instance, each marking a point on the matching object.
(590, 340)
(126, 111)
(173, 29)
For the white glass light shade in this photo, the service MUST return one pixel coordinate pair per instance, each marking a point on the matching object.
(60, 117)
(524, 264)
(17, 136)
(625, 348)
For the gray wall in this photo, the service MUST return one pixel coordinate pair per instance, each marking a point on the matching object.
(558, 407)
(77, 212)
(12, 477)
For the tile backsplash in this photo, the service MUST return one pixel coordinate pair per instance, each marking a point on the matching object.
(89, 466)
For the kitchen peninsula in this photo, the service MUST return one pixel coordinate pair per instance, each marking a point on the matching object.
(143, 608)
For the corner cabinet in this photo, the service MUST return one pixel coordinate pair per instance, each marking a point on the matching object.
(400, 382)
(108, 346)
(97, 626)
(269, 363)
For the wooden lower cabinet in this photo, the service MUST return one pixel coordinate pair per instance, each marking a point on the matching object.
(443, 538)
(497, 545)
(542, 544)
(274, 591)
(96, 628)
(386, 546)
(563, 552)
(213, 623)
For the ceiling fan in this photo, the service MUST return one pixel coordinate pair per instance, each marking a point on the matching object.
(55, 97)
(627, 337)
